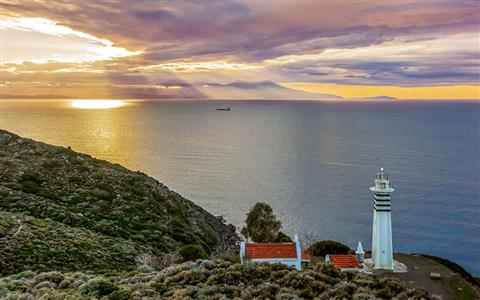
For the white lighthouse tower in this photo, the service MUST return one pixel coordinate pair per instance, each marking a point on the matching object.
(382, 250)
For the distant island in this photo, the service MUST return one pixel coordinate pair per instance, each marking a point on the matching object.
(72, 226)
(378, 98)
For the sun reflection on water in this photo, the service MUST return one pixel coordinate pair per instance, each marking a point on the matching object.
(97, 104)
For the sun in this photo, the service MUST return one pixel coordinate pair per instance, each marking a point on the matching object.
(97, 104)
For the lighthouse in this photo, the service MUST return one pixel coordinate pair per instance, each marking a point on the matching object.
(382, 250)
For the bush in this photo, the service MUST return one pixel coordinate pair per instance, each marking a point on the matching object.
(55, 277)
(323, 248)
(159, 287)
(52, 164)
(283, 238)
(329, 270)
(192, 252)
(232, 257)
(30, 187)
(98, 287)
(120, 295)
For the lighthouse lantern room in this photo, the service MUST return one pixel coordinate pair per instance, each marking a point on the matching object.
(382, 250)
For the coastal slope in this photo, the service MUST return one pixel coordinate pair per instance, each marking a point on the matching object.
(56, 186)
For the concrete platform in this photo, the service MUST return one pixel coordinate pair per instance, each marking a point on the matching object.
(367, 268)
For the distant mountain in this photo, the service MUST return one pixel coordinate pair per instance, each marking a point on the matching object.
(267, 84)
(378, 98)
(267, 90)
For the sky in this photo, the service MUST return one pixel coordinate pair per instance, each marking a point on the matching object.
(187, 49)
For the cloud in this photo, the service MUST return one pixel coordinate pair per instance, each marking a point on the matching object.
(41, 33)
(398, 62)
(197, 66)
(143, 42)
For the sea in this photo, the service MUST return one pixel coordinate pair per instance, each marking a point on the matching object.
(313, 162)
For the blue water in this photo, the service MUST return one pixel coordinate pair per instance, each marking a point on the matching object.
(311, 161)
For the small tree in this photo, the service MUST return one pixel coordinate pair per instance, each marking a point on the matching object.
(322, 248)
(192, 252)
(261, 224)
(283, 238)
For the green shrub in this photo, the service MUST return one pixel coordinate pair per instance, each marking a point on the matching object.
(159, 287)
(283, 238)
(14, 186)
(120, 295)
(76, 160)
(83, 168)
(322, 248)
(3, 192)
(30, 187)
(55, 277)
(98, 287)
(46, 194)
(32, 176)
(52, 164)
(101, 194)
(227, 256)
(192, 252)
(329, 270)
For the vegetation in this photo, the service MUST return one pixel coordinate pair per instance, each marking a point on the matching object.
(205, 279)
(192, 252)
(262, 225)
(80, 209)
(98, 287)
(282, 238)
(40, 245)
(462, 289)
(454, 267)
(322, 248)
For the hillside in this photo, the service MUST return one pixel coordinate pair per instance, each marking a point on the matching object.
(94, 200)
(29, 243)
(205, 279)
